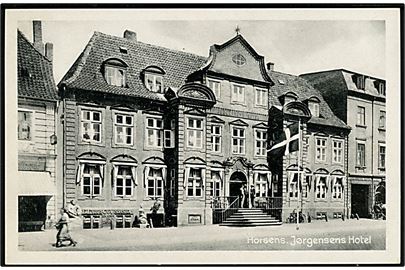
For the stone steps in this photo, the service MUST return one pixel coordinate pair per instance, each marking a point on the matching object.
(250, 218)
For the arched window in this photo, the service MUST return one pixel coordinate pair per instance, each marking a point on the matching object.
(115, 72)
(153, 79)
(313, 106)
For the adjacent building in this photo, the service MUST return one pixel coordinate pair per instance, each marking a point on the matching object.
(145, 125)
(36, 132)
(359, 101)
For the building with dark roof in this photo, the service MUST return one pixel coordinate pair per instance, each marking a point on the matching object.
(37, 105)
(359, 101)
(148, 127)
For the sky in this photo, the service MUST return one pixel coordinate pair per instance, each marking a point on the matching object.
(296, 47)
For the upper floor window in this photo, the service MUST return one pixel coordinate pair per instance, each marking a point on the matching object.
(261, 97)
(91, 126)
(361, 116)
(289, 97)
(381, 156)
(382, 120)
(261, 143)
(216, 135)
(239, 59)
(238, 93)
(238, 140)
(314, 107)
(154, 82)
(337, 151)
(124, 129)
(215, 87)
(320, 153)
(194, 132)
(25, 125)
(361, 154)
(115, 75)
(154, 132)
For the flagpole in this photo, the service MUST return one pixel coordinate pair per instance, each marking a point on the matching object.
(299, 171)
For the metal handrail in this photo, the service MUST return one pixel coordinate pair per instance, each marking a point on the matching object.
(226, 211)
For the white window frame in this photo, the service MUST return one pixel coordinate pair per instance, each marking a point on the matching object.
(338, 188)
(124, 185)
(322, 149)
(260, 151)
(361, 116)
(92, 175)
(157, 132)
(363, 160)
(31, 125)
(192, 182)
(337, 152)
(91, 122)
(156, 179)
(215, 86)
(321, 188)
(241, 140)
(115, 75)
(314, 108)
(261, 186)
(193, 131)
(261, 97)
(154, 78)
(216, 185)
(380, 165)
(216, 138)
(124, 126)
(236, 97)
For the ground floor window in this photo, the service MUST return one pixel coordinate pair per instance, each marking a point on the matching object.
(261, 184)
(337, 188)
(194, 183)
(293, 184)
(216, 183)
(154, 187)
(90, 176)
(321, 187)
(124, 180)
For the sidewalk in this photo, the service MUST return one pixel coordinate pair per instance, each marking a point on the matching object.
(208, 237)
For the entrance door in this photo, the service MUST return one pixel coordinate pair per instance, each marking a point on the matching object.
(32, 212)
(237, 180)
(360, 200)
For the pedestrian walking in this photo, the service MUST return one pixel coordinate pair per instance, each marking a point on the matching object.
(63, 230)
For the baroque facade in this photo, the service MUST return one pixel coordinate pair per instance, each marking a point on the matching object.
(145, 124)
(36, 129)
(359, 100)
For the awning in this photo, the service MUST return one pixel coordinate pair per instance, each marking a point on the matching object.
(35, 183)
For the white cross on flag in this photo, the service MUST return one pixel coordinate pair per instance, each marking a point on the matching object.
(287, 143)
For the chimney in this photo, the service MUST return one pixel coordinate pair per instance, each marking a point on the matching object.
(130, 35)
(37, 31)
(49, 51)
(270, 66)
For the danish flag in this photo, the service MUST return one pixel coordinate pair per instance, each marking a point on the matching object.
(288, 141)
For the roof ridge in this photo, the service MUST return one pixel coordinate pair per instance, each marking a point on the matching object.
(32, 45)
(153, 45)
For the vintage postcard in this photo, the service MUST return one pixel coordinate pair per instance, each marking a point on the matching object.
(202, 135)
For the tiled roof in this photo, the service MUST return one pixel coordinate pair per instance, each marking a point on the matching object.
(285, 83)
(35, 77)
(86, 73)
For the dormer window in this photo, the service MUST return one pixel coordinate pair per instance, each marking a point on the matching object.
(115, 72)
(154, 82)
(153, 79)
(313, 106)
(289, 97)
(359, 80)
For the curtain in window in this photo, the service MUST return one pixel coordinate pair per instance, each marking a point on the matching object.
(333, 181)
(146, 174)
(255, 177)
(290, 176)
(186, 176)
(79, 176)
(101, 171)
(203, 177)
(343, 181)
(134, 178)
(115, 173)
(269, 178)
(317, 179)
(327, 182)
